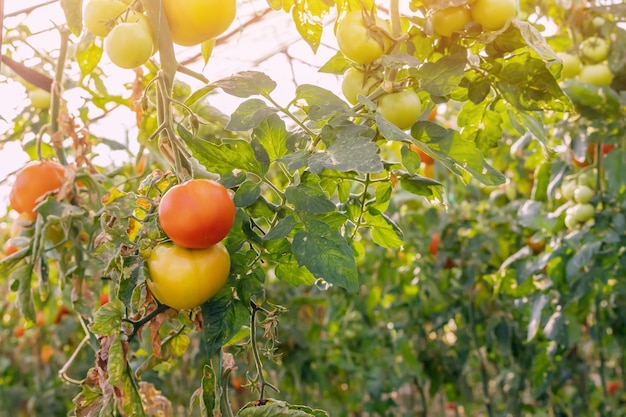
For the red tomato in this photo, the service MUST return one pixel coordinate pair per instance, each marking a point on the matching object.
(433, 248)
(424, 157)
(33, 182)
(197, 214)
(613, 386)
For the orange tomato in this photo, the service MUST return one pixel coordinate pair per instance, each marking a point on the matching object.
(433, 248)
(18, 331)
(40, 320)
(197, 214)
(9, 248)
(424, 157)
(33, 182)
(612, 387)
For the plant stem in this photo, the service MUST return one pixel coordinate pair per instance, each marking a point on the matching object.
(137, 325)
(56, 91)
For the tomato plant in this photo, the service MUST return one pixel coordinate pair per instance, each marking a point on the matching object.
(361, 37)
(194, 21)
(450, 20)
(185, 278)
(33, 182)
(197, 213)
(493, 14)
(402, 109)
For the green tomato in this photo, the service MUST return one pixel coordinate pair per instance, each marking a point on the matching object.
(597, 22)
(583, 212)
(493, 14)
(358, 42)
(39, 99)
(571, 65)
(587, 178)
(570, 221)
(583, 194)
(355, 83)
(594, 49)
(567, 190)
(451, 19)
(402, 108)
(100, 15)
(596, 74)
(129, 45)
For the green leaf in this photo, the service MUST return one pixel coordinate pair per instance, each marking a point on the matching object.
(384, 231)
(309, 17)
(337, 64)
(21, 277)
(526, 83)
(309, 197)
(326, 253)
(322, 104)
(272, 134)
(224, 158)
(206, 49)
(288, 270)
(223, 316)
(247, 194)
(281, 229)
(442, 77)
(423, 186)
(480, 125)
(88, 53)
(73, 10)
(246, 84)
(116, 365)
(593, 101)
(273, 408)
(349, 147)
(198, 94)
(108, 318)
(249, 114)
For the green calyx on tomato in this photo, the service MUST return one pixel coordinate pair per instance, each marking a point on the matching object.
(192, 22)
(596, 74)
(594, 49)
(402, 109)
(493, 14)
(197, 214)
(186, 278)
(360, 37)
(450, 20)
(356, 83)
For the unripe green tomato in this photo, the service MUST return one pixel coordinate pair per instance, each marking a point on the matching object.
(451, 19)
(355, 84)
(570, 221)
(571, 65)
(583, 212)
(493, 14)
(594, 49)
(567, 190)
(99, 15)
(596, 74)
(359, 42)
(402, 108)
(129, 45)
(39, 99)
(583, 194)
(597, 22)
(587, 178)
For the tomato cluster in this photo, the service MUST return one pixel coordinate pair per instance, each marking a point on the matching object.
(580, 195)
(196, 215)
(490, 14)
(130, 40)
(589, 63)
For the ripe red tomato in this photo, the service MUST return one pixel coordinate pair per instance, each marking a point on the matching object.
(33, 182)
(186, 278)
(19, 330)
(613, 386)
(433, 248)
(104, 298)
(60, 314)
(197, 214)
(424, 157)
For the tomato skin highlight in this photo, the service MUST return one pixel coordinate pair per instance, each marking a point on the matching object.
(197, 214)
(33, 182)
(192, 22)
(186, 278)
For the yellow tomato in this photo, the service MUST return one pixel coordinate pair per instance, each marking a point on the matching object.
(194, 21)
(186, 278)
